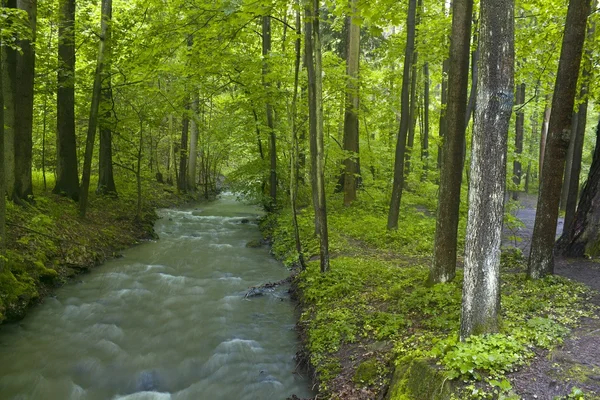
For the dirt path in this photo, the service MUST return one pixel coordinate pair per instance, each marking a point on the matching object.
(576, 363)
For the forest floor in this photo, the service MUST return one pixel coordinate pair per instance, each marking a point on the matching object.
(575, 363)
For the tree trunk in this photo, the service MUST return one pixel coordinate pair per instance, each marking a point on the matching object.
(315, 86)
(23, 144)
(425, 133)
(568, 164)
(495, 88)
(443, 267)
(544, 136)
(444, 102)
(586, 76)
(541, 258)
(266, 52)
(410, 140)
(394, 211)
(106, 179)
(9, 78)
(2, 180)
(519, 125)
(294, 150)
(351, 124)
(193, 157)
(582, 237)
(93, 121)
(67, 176)
(185, 127)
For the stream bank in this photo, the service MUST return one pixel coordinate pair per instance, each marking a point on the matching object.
(48, 244)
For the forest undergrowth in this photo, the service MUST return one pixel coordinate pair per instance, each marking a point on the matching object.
(373, 313)
(48, 243)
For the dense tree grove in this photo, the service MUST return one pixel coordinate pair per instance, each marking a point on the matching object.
(292, 103)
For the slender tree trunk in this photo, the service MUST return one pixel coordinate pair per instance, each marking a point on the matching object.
(312, 106)
(2, 180)
(106, 179)
(410, 140)
(351, 124)
(443, 268)
(519, 127)
(185, 127)
(474, 77)
(67, 176)
(495, 90)
(444, 102)
(544, 136)
(193, 143)
(568, 164)
(314, 63)
(398, 183)
(586, 76)
(294, 152)
(541, 258)
(425, 140)
(93, 121)
(23, 144)
(266, 52)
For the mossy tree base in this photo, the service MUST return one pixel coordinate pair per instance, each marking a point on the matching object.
(419, 379)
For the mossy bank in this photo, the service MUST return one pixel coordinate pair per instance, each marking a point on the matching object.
(47, 242)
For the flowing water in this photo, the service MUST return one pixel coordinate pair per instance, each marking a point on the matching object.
(169, 320)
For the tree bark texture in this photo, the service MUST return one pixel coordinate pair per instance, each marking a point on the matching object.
(394, 211)
(443, 103)
(582, 237)
(495, 88)
(67, 176)
(93, 120)
(9, 78)
(23, 143)
(586, 76)
(568, 164)
(443, 267)
(266, 51)
(541, 258)
(106, 179)
(351, 124)
(2, 180)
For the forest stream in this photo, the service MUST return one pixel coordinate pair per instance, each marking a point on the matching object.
(168, 320)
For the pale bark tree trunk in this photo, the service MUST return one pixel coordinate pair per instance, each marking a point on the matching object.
(315, 69)
(495, 90)
(351, 124)
(23, 144)
(106, 179)
(443, 267)
(519, 126)
(581, 238)
(93, 120)
(67, 176)
(544, 136)
(394, 211)
(586, 76)
(9, 77)
(193, 143)
(541, 258)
